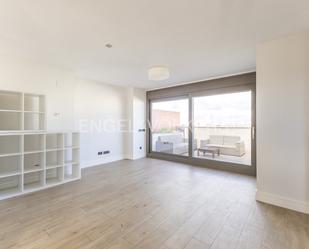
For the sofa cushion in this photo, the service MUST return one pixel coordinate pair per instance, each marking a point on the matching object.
(230, 140)
(181, 145)
(215, 139)
(171, 138)
(232, 145)
(214, 145)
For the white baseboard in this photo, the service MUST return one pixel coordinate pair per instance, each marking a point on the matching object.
(106, 160)
(139, 157)
(101, 161)
(129, 157)
(284, 202)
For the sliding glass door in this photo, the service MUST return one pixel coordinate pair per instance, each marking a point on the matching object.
(212, 124)
(222, 127)
(169, 126)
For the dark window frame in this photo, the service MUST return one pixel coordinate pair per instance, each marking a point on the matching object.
(237, 83)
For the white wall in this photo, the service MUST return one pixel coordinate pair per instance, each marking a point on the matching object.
(20, 75)
(139, 122)
(100, 113)
(283, 122)
(136, 109)
(102, 107)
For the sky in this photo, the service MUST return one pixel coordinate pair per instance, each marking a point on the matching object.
(232, 109)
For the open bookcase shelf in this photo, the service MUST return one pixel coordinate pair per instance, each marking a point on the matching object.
(11, 101)
(34, 161)
(21, 112)
(54, 176)
(54, 158)
(10, 186)
(31, 158)
(33, 180)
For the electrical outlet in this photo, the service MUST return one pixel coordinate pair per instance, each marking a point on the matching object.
(100, 153)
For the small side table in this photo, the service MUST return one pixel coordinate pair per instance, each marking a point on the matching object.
(205, 150)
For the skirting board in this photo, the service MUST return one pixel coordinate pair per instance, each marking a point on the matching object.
(277, 200)
(130, 157)
(101, 161)
(106, 160)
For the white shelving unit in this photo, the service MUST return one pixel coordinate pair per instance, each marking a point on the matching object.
(71, 156)
(32, 159)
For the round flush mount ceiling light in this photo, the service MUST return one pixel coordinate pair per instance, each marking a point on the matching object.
(108, 45)
(158, 73)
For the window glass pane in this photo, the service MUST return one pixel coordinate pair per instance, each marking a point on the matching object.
(170, 126)
(222, 127)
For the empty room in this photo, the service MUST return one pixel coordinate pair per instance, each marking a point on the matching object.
(149, 124)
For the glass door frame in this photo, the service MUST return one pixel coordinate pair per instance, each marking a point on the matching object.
(228, 90)
(233, 84)
(149, 126)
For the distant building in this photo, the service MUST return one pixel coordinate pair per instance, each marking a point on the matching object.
(165, 121)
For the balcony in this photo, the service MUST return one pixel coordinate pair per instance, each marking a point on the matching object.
(222, 143)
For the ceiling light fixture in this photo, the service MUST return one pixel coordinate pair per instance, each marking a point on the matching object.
(158, 73)
(108, 45)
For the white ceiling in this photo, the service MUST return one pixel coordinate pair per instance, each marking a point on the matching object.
(196, 39)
